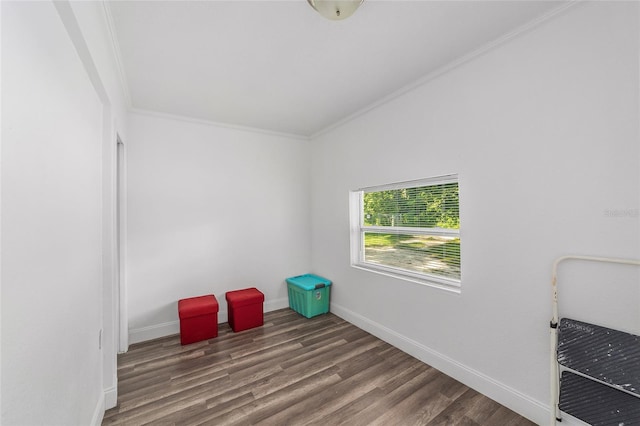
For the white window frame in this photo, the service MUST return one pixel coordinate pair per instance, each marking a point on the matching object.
(358, 229)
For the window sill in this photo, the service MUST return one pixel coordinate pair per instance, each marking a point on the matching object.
(453, 286)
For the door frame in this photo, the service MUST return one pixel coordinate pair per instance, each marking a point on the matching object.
(121, 246)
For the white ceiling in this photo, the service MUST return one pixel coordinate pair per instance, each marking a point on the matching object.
(280, 66)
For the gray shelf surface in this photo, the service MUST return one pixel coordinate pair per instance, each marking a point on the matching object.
(607, 355)
(596, 403)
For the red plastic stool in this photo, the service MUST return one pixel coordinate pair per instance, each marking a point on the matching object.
(245, 308)
(198, 318)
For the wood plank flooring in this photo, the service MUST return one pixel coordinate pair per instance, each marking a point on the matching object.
(292, 371)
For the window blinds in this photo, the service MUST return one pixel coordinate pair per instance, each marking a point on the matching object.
(413, 227)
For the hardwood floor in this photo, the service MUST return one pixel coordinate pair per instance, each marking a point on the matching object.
(292, 371)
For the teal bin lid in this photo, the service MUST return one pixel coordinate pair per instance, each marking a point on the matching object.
(309, 281)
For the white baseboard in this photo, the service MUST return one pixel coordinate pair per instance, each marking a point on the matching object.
(110, 397)
(98, 412)
(274, 305)
(142, 334)
(524, 405)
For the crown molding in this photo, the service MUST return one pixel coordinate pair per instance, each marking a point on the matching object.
(519, 31)
(210, 123)
(117, 54)
(71, 25)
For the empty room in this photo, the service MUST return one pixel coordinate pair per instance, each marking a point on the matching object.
(294, 212)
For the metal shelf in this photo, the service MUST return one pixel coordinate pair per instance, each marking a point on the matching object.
(607, 355)
(596, 403)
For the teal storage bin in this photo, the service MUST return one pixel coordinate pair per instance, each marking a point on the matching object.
(309, 294)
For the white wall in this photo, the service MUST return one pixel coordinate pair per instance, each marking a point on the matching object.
(63, 106)
(51, 223)
(543, 131)
(211, 209)
(92, 22)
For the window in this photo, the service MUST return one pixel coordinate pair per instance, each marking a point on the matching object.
(409, 230)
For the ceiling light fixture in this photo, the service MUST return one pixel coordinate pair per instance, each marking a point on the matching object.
(335, 9)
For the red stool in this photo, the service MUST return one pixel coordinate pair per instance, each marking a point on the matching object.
(245, 308)
(198, 318)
